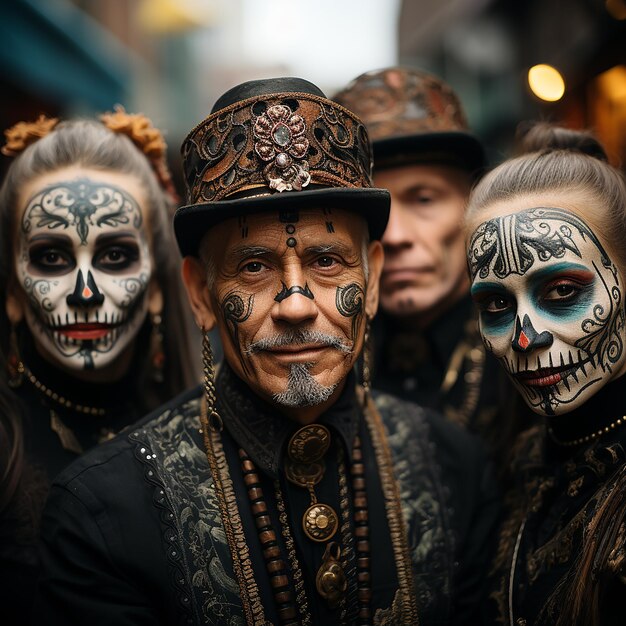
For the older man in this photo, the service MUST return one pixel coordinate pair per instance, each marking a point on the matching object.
(428, 349)
(284, 493)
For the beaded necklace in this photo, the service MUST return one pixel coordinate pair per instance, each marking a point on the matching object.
(317, 522)
(589, 437)
(211, 428)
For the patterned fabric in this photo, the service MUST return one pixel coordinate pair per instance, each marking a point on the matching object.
(280, 142)
(198, 552)
(396, 102)
(423, 502)
(557, 508)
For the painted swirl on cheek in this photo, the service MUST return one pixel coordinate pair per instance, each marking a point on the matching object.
(349, 302)
(237, 308)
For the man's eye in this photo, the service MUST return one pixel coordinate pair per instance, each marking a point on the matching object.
(253, 267)
(51, 259)
(326, 261)
(116, 258)
(421, 196)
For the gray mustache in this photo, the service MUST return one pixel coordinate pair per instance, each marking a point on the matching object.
(298, 337)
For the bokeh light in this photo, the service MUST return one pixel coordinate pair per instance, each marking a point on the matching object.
(546, 82)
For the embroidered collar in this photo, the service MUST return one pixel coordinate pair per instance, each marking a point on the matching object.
(262, 431)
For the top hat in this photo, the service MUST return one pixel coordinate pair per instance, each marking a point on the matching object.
(412, 117)
(272, 144)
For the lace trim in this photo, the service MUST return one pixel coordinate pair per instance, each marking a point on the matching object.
(174, 553)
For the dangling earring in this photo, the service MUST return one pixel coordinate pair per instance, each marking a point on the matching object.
(213, 418)
(157, 353)
(15, 367)
(367, 360)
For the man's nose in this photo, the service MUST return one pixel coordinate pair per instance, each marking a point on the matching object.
(86, 294)
(397, 234)
(294, 304)
(526, 338)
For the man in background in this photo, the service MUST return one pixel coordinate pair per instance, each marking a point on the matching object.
(426, 341)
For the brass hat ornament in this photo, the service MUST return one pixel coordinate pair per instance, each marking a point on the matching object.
(271, 144)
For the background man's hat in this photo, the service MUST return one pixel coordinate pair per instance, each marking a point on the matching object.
(412, 117)
(272, 144)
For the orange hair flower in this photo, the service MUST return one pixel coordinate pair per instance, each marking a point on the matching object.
(139, 129)
(23, 134)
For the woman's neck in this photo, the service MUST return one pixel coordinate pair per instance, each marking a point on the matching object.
(600, 412)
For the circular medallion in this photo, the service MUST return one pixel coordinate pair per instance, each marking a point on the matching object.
(320, 522)
(304, 475)
(309, 444)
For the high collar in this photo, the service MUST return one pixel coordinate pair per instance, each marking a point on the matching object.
(261, 430)
(599, 412)
(433, 345)
(112, 397)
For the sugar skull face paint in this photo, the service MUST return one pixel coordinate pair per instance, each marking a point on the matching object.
(551, 305)
(83, 262)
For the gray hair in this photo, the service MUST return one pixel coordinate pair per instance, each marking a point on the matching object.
(561, 171)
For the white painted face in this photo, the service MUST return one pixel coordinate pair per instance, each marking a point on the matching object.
(551, 305)
(83, 262)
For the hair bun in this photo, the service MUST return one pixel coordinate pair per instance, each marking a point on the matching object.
(537, 136)
(139, 129)
(23, 134)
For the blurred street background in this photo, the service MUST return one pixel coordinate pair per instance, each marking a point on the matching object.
(171, 59)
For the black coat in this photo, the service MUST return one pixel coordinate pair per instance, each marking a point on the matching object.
(133, 534)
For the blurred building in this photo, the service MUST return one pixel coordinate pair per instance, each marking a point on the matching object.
(171, 58)
(485, 48)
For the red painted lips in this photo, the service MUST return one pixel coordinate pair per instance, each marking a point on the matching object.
(85, 331)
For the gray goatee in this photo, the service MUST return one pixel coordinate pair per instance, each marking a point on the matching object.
(302, 388)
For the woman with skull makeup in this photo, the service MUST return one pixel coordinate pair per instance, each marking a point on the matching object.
(92, 327)
(547, 262)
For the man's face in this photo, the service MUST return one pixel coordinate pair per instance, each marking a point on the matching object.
(551, 304)
(424, 248)
(290, 294)
(82, 266)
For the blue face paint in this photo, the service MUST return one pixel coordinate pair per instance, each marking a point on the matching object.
(489, 296)
(575, 280)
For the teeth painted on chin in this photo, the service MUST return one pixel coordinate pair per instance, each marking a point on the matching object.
(564, 379)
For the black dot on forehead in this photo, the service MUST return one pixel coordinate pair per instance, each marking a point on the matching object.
(291, 242)
(291, 229)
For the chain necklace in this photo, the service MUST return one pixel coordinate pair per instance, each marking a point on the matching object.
(587, 438)
(58, 398)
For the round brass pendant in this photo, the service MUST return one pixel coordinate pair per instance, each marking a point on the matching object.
(309, 444)
(320, 522)
(304, 475)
